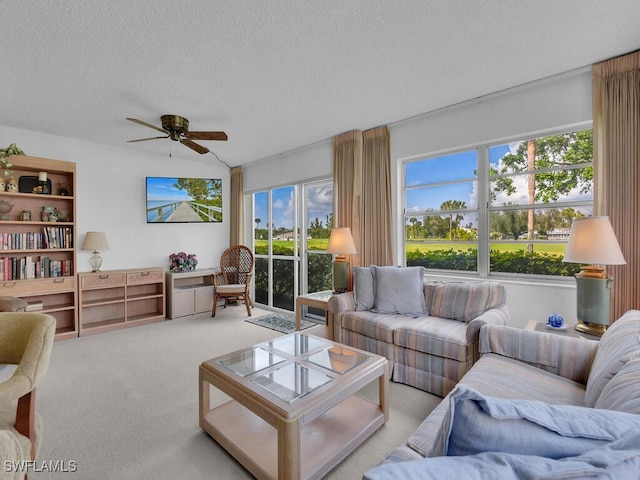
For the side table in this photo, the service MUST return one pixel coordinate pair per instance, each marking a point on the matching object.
(316, 300)
(567, 332)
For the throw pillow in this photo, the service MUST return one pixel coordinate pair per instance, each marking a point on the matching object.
(622, 393)
(619, 344)
(463, 301)
(399, 290)
(475, 423)
(363, 289)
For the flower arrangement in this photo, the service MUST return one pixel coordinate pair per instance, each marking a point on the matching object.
(181, 262)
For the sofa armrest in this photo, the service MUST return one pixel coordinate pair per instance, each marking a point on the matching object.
(565, 356)
(342, 302)
(493, 316)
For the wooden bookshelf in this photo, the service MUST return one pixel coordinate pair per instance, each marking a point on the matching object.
(38, 258)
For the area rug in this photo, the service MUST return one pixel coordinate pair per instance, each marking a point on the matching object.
(280, 322)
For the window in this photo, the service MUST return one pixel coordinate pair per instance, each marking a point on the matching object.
(287, 263)
(499, 209)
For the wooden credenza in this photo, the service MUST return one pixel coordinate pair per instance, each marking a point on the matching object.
(116, 299)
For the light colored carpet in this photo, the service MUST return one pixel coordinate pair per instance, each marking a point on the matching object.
(124, 404)
(280, 322)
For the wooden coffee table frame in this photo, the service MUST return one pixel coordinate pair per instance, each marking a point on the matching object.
(303, 439)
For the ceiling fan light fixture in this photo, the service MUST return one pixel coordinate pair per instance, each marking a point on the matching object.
(177, 129)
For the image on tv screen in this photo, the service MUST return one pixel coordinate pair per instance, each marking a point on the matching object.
(184, 200)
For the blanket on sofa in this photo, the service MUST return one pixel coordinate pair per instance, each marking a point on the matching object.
(486, 438)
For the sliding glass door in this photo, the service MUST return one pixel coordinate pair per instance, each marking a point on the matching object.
(291, 231)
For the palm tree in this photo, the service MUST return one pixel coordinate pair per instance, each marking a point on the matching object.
(453, 205)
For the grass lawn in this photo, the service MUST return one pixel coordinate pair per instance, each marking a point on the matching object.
(550, 248)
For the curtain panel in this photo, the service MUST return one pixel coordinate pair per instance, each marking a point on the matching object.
(347, 186)
(236, 233)
(376, 228)
(616, 145)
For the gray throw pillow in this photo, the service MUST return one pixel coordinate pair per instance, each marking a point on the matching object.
(363, 290)
(399, 290)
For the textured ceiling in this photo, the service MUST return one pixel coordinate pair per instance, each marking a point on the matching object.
(283, 74)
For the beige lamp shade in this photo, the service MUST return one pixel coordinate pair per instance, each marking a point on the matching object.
(341, 241)
(592, 241)
(95, 241)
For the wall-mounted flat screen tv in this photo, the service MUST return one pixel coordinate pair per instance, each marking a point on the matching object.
(184, 200)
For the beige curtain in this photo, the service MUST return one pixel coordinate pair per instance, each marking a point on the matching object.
(347, 186)
(616, 145)
(237, 207)
(376, 228)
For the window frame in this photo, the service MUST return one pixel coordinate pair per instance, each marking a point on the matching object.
(484, 207)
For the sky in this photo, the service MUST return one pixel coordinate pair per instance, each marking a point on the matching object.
(461, 166)
(319, 204)
(161, 188)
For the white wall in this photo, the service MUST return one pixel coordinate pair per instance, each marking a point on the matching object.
(110, 197)
(553, 103)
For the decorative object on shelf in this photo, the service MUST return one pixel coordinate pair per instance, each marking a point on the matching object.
(46, 213)
(181, 262)
(6, 153)
(43, 186)
(95, 241)
(32, 184)
(555, 320)
(341, 243)
(5, 208)
(25, 216)
(593, 241)
(12, 185)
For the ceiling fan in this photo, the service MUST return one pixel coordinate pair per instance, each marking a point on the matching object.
(177, 129)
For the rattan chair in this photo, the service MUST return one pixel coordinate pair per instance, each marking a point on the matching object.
(234, 278)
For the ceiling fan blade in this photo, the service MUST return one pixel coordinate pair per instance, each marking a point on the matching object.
(207, 136)
(194, 146)
(145, 139)
(135, 120)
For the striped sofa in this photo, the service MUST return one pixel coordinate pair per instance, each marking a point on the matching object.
(544, 366)
(432, 351)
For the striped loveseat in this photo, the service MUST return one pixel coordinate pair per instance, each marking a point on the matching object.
(526, 365)
(429, 349)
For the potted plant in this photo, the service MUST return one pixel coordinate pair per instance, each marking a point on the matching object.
(181, 262)
(5, 153)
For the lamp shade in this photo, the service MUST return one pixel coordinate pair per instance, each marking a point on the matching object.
(592, 241)
(341, 241)
(96, 241)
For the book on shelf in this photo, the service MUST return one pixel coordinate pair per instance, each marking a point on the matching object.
(33, 305)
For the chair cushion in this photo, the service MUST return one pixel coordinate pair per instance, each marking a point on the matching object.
(399, 290)
(373, 325)
(225, 289)
(619, 345)
(463, 301)
(437, 336)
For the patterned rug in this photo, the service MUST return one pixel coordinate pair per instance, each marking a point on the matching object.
(281, 323)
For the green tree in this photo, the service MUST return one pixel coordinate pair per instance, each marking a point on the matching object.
(453, 222)
(539, 159)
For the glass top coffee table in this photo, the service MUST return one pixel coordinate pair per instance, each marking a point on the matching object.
(294, 412)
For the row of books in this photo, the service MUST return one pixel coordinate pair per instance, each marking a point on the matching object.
(51, 237)
(25, 268)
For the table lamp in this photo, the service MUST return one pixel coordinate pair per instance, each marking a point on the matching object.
(341, 243)
(592, 241)
(95, 241)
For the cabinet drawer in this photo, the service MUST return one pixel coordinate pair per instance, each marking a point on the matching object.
(148, 276)
(102, 280)
(27, 287)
